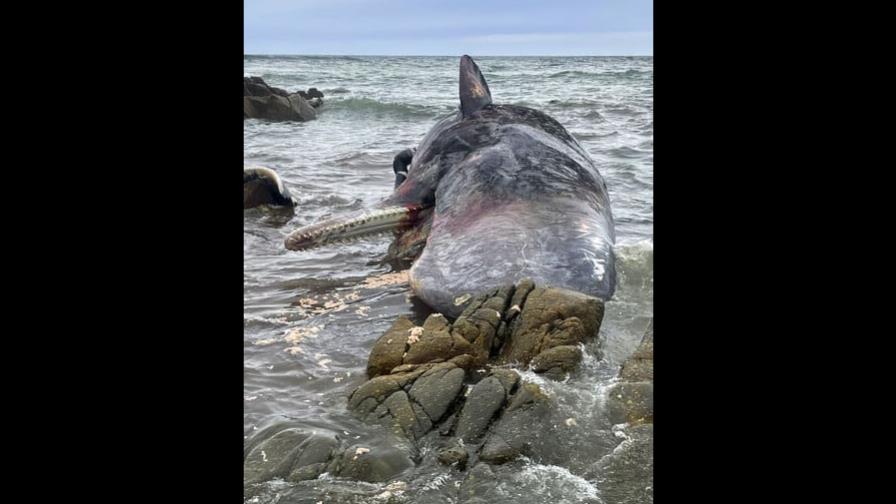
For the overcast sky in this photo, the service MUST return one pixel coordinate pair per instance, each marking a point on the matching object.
(451, 28)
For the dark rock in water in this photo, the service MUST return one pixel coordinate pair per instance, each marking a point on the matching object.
(417, 373)
(478, 486)
(549, 318)
(523, 429)
(388, 351)
(279, 92)
(631, 400)
(371, 464)
(437, 388)
(254, 88)
(508, 378)
(455, 455)
(291, 454)
(303, 106)
(314, 93)
(261, 101)
(262, 186)
(410, 400)
(405, 344)
(625, 476)
(436, 342)
(639, 367)
(480, 321)
(484, 401)
(557, 360)
(278, 108)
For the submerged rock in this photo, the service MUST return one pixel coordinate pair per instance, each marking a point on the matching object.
(478, 486)
(292, 454)
(371, 464)
(625, 476)
(639, 367)
(631, 400)
(522, 429)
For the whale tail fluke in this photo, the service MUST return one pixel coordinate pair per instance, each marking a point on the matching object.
(474, 92)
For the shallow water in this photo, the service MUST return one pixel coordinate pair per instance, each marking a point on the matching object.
(311, 318)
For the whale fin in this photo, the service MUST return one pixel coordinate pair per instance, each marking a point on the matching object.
(474, 93)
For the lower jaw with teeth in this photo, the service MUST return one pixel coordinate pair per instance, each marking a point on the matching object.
(350, 227)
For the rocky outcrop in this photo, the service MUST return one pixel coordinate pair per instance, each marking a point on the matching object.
(451, 382)
(373, 465)
(626, 474)
(291, 454)
(422, 379)
(261, 101)
(410, 400)
(631, 399)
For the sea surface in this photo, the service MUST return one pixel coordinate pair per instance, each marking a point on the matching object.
(311, 318)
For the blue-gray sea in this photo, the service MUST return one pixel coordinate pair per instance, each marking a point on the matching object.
(311, 318)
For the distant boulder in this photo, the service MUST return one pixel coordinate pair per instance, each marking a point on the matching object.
(261, 101)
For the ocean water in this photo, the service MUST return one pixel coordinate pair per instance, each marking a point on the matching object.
(311, 318)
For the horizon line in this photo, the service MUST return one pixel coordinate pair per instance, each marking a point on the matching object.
(479, 56)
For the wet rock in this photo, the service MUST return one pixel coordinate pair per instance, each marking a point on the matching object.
(508, 378)
(292, 454)
(372, 464)
(523, 429)
(456, 455)
(480, 321)
(436, 342)
(405, 346)
(409, 402)
(265, 102)
(437, 388)
(313, 456)
(631, 400)
(563, 358)
(625, 476)
(551, 317)
(388, 351)
(305, 110)
(277, 108)
(478, 486)
(417, 373)
(484, 401)
(639, 367)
